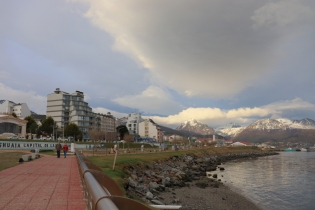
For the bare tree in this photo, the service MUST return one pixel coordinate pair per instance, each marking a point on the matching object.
(96, 134)
(111, 136)
(128, 138)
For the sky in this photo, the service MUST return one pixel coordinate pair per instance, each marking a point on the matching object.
(216, 61)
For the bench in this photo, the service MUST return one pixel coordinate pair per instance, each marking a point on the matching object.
(29, 157)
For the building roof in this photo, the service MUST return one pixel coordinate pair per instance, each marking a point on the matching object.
(11, 117)
(2, 101)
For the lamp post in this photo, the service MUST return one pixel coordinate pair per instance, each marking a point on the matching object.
(63, 131)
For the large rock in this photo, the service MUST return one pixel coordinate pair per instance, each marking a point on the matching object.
(141, 188)
(132, 182)
(134, 176)
(149, 195)
(153, 185)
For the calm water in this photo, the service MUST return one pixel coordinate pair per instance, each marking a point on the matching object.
(285, 181)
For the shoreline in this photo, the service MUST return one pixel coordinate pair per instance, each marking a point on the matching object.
(193, 197)
(190, 181)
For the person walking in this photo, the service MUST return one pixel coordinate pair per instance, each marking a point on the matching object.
(65, 149)
(58, 148)
(142, 148)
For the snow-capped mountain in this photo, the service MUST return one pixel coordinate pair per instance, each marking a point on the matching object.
(268, 124)
(196, 127)
(229, 130)
(281, 129)
(282, 124)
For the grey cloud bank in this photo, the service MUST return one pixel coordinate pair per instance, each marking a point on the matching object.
(178, 59)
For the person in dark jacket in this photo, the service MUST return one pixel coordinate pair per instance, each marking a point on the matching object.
(58, 148)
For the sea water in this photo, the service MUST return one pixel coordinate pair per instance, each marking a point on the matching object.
(284, 181)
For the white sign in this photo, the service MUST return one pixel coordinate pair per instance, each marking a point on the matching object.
(8, 145)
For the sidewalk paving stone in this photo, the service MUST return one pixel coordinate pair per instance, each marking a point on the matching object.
(44, 183)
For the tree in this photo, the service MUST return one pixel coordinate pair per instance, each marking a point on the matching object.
(96, 133)
(33, 128)
(47, 125)
(122, 130)
(111, 136)
(14, 115)
(128, 138)
(72, 130)
(30, 121)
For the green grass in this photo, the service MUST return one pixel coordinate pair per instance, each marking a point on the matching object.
(9, 159)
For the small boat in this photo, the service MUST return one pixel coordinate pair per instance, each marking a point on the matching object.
(303, 150)
(289, 150)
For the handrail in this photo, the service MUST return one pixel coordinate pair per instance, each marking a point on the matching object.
(94, 189)
(100, 196)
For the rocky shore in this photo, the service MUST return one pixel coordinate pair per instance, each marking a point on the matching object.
(189, 181)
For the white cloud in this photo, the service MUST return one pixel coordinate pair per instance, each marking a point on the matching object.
(152, 100)
(35, 102)
(282, 13)
(244, 116)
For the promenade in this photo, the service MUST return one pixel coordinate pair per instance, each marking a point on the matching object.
(45, 183)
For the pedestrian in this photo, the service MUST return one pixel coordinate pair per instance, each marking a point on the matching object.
(58, 148)
(115, 148)
(65, 149)
(142, 148)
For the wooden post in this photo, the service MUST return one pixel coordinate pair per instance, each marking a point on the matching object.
(115, 156)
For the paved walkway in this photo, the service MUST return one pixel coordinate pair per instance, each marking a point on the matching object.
(45, 183)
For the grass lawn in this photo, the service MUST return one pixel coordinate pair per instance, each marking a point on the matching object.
(9, 159)
(145, 159)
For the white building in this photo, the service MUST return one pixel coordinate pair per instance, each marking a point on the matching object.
(66, 108)
(133, 121)
(8, 107)
(10, 124)
(149, 129)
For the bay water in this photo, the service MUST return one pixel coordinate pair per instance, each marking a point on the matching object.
(284, 181)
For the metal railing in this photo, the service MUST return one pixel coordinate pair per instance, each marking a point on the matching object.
(102, 192)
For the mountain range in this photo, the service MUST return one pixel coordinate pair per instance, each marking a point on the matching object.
(275, 130)
(195, 127)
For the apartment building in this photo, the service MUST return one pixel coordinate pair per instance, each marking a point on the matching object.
(20, 109)
(133, 121)
(66, 108)
(149, 129)
(108, 122)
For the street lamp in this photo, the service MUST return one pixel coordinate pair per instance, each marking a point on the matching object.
(63, 131)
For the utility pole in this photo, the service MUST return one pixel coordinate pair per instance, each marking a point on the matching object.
(63, 130)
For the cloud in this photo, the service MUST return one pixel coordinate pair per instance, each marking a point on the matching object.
(244, 116)
(35, 102)
(282, 13)
(203, 49)
(152, 100)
